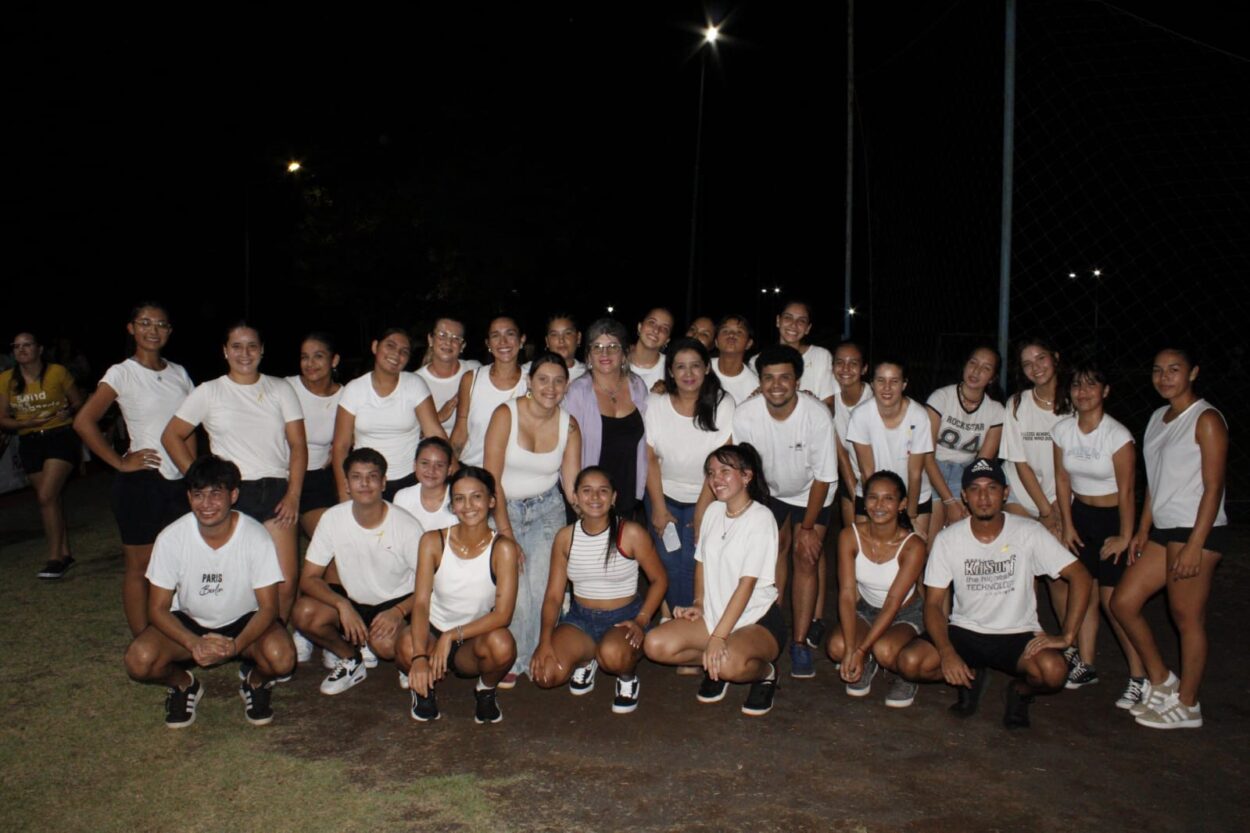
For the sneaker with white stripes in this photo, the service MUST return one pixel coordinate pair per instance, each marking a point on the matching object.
(1172, 714)
(1154, 695)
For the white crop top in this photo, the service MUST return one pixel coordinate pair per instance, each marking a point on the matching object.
(1174, 467)
(874, 580)
(597, 574)
(532, 473)
(1087, 457)
(484, 398)
(464, 588)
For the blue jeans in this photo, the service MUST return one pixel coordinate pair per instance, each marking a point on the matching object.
(678, 564)
(535, 522)
(953, 474)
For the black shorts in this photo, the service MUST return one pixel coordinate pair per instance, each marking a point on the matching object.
(1094, 525)
(393, 486)
(368, 612)
(37, 447)
(782, 510)
(925, 508)
(993, 650)
(260, 498)
(320, 491)
(1218, 539)
(774, 622)
(144, 503)
(451, 655)
(231, 630)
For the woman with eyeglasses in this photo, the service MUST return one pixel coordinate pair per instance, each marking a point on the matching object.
(147, 491)
(486, 388)
(444, 368)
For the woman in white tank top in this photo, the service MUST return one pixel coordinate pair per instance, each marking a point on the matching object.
(319, 394)
(1041, 398)
(1179, 541)
(486, 388)
(462, 604)
(600, 555)
(880, 607)
(532, 446)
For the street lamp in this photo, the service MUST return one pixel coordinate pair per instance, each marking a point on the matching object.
(711, 34)
(292, 167)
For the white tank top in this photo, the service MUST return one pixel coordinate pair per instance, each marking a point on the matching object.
(464, 588)
(484, 398)
(1174, 467)
(531, 473)
(595, 577)
(874, 580)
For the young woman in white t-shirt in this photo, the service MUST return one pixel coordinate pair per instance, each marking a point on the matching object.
(486, 388)
(733, 339)
(148, 493)
(443, 368)
(1095, 462)
(319, 394)
(387, 410)
(563, 338)
(429, 501)
(692, 418)
(646, 357)
(793, 325)
(1180, 539)
(734, 628)
(1041, 398)
(254, 421)
(967, 424)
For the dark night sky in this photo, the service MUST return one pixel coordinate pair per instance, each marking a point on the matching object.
(541, 157)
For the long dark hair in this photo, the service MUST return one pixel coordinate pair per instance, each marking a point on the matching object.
(614, 520)
(993, 390)
(1063, 399)
(885, 474)
(548, 357)
(744, 458)
(17, 384)
(710, 392)
(477, 473)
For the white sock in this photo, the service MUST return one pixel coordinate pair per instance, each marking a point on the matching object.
(481, 686)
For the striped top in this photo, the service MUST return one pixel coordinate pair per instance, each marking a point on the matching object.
(592, 576)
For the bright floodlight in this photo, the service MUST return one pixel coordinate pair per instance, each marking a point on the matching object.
(851, 310)
(710, 34)
(610, 309)
(1097, 273)
(293, 166)
(1072, 275)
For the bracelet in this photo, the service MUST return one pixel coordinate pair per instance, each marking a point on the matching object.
(425, 657)
(715, 636)
(807, 528)
(950, 500)
(460, 634)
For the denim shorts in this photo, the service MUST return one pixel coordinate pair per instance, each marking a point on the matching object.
(594, 622)
(909, 614)
(953, 473)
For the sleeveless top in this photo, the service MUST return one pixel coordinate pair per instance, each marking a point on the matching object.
(593, 576)
(531, 473)
(464, 588)
(873, 579)
(484, 398)
(1174, 467)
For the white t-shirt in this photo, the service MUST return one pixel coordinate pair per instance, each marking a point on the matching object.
(817, 378)
(387, 424)
(375, 565)
(319, 413)
(891, 447)
(1026, 439)
(961, 433)
(409, 499)
(148, 399)
(993, 583)
(650, 375)
(444, 389)
(681, 446)
(796, 452)
(214, 587)
(740, 386)
(246, 424)
(1087, 457)
(575, 372)
(731, 549)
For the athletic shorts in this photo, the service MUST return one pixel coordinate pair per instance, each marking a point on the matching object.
(259, 498)
(595, 622)
(37, 447)
(774, 622)
(1094, 525)
(925, 508)
(230, 631)
(320, 491)
(144, 503)
(393, 486)
(1218, 539)
(368, 612)
(911, 613)
(989, 650)
(783, 510)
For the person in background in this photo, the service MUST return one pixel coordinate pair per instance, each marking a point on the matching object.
(486, 388)
(444, 368)
(733, 340)
(702, 330)
(646, 358)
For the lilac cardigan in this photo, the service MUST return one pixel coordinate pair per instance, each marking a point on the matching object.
(581, 402)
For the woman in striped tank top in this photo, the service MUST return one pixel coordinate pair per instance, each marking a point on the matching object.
(607, 620)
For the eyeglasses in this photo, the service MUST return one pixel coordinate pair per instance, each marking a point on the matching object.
(610, 349)
(148, 323)
(443, 335)
(22, 345)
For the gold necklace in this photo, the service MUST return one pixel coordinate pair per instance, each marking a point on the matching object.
(610, 394)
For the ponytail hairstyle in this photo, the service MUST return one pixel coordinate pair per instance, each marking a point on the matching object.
(548, 357)
(326, 340)
(477, 473)
(614, 520)
(710, 393)
(744, 458)
(885, 474)
(1063, 400)
(242, 324)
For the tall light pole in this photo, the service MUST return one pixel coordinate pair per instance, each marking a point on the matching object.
(293, 167)
(710, 35)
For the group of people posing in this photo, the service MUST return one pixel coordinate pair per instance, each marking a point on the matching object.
(497, 521)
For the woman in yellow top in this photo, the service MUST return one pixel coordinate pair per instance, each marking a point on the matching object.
(38, 403)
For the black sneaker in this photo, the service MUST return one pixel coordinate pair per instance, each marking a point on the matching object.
(1081, 675)
(711, 691)
(180, 704)
(246, 666)
(1017, 714)
(816, 634)
(759, 700)
(487, 709)
(424, 709)
(626, 699)
(53, 570)
(970, 698)
(256, 706)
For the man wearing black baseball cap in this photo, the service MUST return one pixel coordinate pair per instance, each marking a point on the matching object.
(990, 559)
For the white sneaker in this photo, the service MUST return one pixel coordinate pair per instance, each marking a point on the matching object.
(303, 647)
(626, 699)
(1132, 693)
(1154, 695)
(329, 660)
(346, 674)
(583, 679)
(403, 680)
(1173, 714)
(370, 658)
